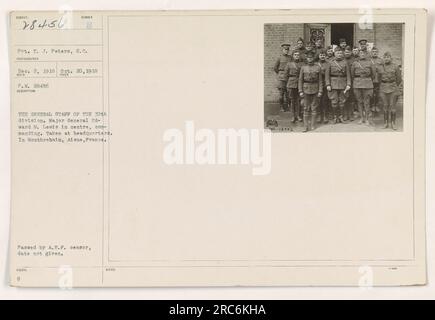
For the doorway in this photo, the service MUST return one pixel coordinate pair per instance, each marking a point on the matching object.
(342, 30)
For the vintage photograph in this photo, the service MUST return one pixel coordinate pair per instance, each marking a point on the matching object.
(333, 77)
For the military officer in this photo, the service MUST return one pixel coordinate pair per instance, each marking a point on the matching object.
(338, 84)
(377, 62)
(324, 101)
(349, 106)
(329, 53)
(318, 43)
(318, 46)
(363, 45)
(342, 44)
(279, 69)
(390, 78)
(348, 56)
(309, 47)
(310, 89)
(363, 73)
(355, 53)
(292, 73)
(300, 47)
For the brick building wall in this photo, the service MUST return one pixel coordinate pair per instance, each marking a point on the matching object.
(274, 36)
(386, 36)
(389, 38)
(367, 34)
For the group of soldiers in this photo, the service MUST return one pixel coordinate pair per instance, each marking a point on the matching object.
(329, 82)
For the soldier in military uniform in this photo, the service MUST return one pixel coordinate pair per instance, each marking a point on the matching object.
(347, 54)
(292, 73)
(342, 44)
(349, 106)
(390, 78)
(318, 46)
(355, 53)
(300, 47)
(338, 84)
(363, 73)
(329, 53)
(309, 47)
(363, 45)
(279, 69)
(310, 89)
(377, 62)
(324, 102)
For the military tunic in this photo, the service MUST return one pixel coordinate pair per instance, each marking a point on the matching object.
(377, 62)
(311, 84)
(324, 101)
(292, 72)
(329, 59)
(338, 78)
(350, 61)
(338, 75)
(350, 101)
(363, 73)
(279, 68)
(390, 77)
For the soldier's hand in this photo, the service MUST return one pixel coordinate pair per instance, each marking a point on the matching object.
(328, 88)
(319, 94)
(347, 89)
(301, 94)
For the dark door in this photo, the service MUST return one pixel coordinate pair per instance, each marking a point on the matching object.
(342, 30)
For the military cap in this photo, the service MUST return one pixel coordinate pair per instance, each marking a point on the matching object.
(300, 39)
(362, 41)
(285, 44)
(338, 49)
(322, 51)
(387, 54)
(349, 48)
(329, 47)
(342, 40)
(374, 48)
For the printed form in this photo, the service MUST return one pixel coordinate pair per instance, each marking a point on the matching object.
(140, 157)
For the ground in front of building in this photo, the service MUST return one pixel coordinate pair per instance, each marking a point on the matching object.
(283, 120)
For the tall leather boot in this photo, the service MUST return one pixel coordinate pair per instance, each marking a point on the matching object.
(313, 121)
(306, 123)
(393, 120)
(361, 114)
(293, 109)
(341, 114)
(281, 103)
(334, 114)
(386, 119)
(301, 109)
(367, 116)
(346, 112)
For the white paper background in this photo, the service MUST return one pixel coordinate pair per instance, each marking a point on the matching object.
(196, 293)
